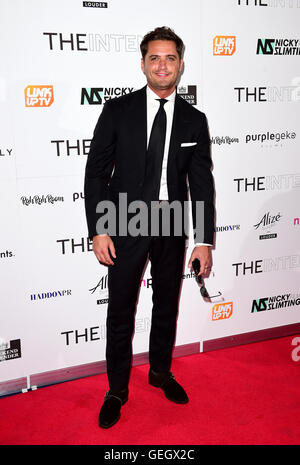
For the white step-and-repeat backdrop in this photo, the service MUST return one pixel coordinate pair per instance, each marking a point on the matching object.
(60, 61)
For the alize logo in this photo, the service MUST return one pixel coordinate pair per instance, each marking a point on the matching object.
(266, 223)
(268, 220)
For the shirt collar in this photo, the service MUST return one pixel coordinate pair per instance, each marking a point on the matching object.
(152, 96)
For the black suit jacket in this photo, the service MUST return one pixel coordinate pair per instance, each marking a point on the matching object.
(117, 158)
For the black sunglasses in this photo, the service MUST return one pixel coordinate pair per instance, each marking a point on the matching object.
(199, 279)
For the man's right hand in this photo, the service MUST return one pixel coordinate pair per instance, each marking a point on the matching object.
(102, 245)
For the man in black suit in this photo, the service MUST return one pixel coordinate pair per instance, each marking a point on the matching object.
(146, 144)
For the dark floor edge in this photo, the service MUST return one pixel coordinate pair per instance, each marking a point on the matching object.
(252, 336)
(48, 378)
(95, 368)
(13, 386)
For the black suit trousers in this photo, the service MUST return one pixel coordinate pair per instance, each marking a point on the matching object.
(166, 255)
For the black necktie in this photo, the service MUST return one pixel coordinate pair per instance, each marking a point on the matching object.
(155, 154)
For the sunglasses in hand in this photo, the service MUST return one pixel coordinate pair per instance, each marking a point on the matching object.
(196, 267)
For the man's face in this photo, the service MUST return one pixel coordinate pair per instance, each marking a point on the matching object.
(162, 65)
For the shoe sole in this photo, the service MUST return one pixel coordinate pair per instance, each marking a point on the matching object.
(176, 401)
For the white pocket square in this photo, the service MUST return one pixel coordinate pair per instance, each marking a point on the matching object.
(188, 144)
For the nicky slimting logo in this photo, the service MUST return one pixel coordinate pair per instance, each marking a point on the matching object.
(278, 47)
(275, 302)
(99, 95)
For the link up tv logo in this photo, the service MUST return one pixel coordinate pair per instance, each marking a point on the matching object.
(38, 96)
(224, 45)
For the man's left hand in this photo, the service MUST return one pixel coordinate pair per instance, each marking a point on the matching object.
(203, 253)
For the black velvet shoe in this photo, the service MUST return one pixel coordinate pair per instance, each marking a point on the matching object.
(166, 381)
(111, 409)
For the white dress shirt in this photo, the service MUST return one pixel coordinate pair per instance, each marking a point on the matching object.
(152, 109)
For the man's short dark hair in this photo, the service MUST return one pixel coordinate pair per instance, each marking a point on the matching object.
(162, 33)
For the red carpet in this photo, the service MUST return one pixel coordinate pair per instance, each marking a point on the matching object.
(242, 395)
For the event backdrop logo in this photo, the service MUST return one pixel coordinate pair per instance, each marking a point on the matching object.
(50, 294)
(5, 152)
(266, 183)
(98, 333)
(229, 227)
(188, 93)
(6, 254)
(267, 265)
(93, 42)
(39, 96)
(219, 140)
(99, 95)
(224, 45)
(271, 137)
(40, 199)
(222, 311)
(275, 302)
(278, 47)
(83, 244)
(266, 223)
(67, 147)
(95, 4)
(271, 94)
(102, 290)
(270, 3)
(10, 350)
